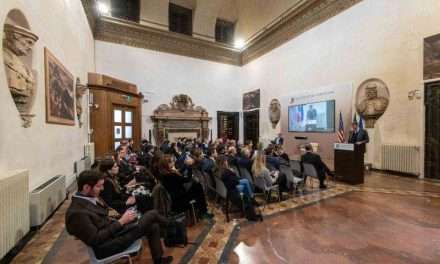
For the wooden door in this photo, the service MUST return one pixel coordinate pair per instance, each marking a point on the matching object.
(251, 125)
(227, 124)
(432, 130)
(124, 123)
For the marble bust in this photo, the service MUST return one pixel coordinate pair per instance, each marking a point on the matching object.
(17, 44)
(274, 112)
(372, 101)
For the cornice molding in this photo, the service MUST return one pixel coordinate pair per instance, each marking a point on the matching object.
(308, 14)
(141, 36)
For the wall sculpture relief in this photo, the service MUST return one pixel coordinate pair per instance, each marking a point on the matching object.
(17, 44)
(274, 112)
(80, 91)
(372, 100)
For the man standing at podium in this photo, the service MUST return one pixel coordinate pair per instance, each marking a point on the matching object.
(358, 135)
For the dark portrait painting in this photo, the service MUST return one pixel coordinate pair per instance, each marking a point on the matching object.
(431, 68)
(60, 102)
(251, 100)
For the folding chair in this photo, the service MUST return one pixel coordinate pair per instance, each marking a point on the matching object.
(132, 249)
(310, 171)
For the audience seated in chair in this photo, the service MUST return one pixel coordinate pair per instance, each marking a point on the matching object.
(88, 220)
(315, 160)
(112, 193)
(181, 189)
(260, 170)
(235, 186)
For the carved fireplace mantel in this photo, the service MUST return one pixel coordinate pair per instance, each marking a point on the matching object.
(180, 116)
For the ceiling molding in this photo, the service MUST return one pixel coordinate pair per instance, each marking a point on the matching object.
(141, 36)
(307, 15)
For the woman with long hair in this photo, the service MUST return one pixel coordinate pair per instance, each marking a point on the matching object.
(181, 189)
(229, 177)
(112, 193)
(259, 170)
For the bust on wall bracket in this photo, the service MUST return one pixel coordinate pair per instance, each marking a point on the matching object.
(372, 99)
(274, 112)
(17, 45)
(79, 92)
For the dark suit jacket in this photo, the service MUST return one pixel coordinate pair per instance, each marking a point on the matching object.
(91, 224)
(279, 140)
(361, 135)
(316, 161)
(112, 197)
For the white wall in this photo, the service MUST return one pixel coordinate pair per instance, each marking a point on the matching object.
(46, 149)
(160, 76)
(382, 39)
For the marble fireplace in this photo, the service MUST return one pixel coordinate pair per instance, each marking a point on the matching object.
(180, 118)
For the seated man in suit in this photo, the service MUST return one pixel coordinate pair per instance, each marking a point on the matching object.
(88, 220)
(315, 160)
(358, 135)
(279, 140)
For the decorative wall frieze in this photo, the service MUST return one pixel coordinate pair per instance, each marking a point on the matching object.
(141, 36)
(305, 16)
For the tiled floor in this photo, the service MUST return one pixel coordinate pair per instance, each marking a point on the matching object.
(385, 208)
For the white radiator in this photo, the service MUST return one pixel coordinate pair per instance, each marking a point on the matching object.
(14, 209)
(401, 158)
(46, 198)
(89, 151)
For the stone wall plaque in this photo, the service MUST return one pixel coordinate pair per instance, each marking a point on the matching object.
(79, 92)
(17, 44)
(372, 98)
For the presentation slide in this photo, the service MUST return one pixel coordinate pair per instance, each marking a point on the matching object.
(312, 117)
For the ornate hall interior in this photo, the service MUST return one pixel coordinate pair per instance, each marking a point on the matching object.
(220, 131)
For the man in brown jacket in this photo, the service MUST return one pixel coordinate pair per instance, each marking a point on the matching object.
(87, 219)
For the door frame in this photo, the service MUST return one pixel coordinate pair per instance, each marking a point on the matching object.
(251, 112)
(236, 116)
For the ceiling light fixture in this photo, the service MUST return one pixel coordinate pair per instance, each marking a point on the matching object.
(103, 8)
(239, 43)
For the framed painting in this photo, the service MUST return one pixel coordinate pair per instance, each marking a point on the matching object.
(60, 94)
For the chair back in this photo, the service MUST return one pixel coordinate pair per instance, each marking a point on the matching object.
(198, 176)
(220, 188)
(245, 174)
(210, 183)
(235, 169)
(291, 179)
(295, 165)
(260, 183)
(161, 199)
(309, 170)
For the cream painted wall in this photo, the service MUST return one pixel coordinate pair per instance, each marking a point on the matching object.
(45, 149)
(382, 39)
(160, 76)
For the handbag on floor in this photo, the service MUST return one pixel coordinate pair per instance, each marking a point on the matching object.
(176, 233)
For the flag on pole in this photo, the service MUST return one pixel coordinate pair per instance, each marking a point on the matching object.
(361, 123)
(341, 137)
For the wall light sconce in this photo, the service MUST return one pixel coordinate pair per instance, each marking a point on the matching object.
(417, 94)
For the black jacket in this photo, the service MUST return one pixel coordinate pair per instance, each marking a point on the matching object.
(361, 135)
(112, 197)
(316, 161)
(91, 224)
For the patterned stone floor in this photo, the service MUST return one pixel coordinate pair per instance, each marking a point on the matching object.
(215, 241)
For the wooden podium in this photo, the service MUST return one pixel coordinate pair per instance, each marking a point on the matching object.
(349, 162)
